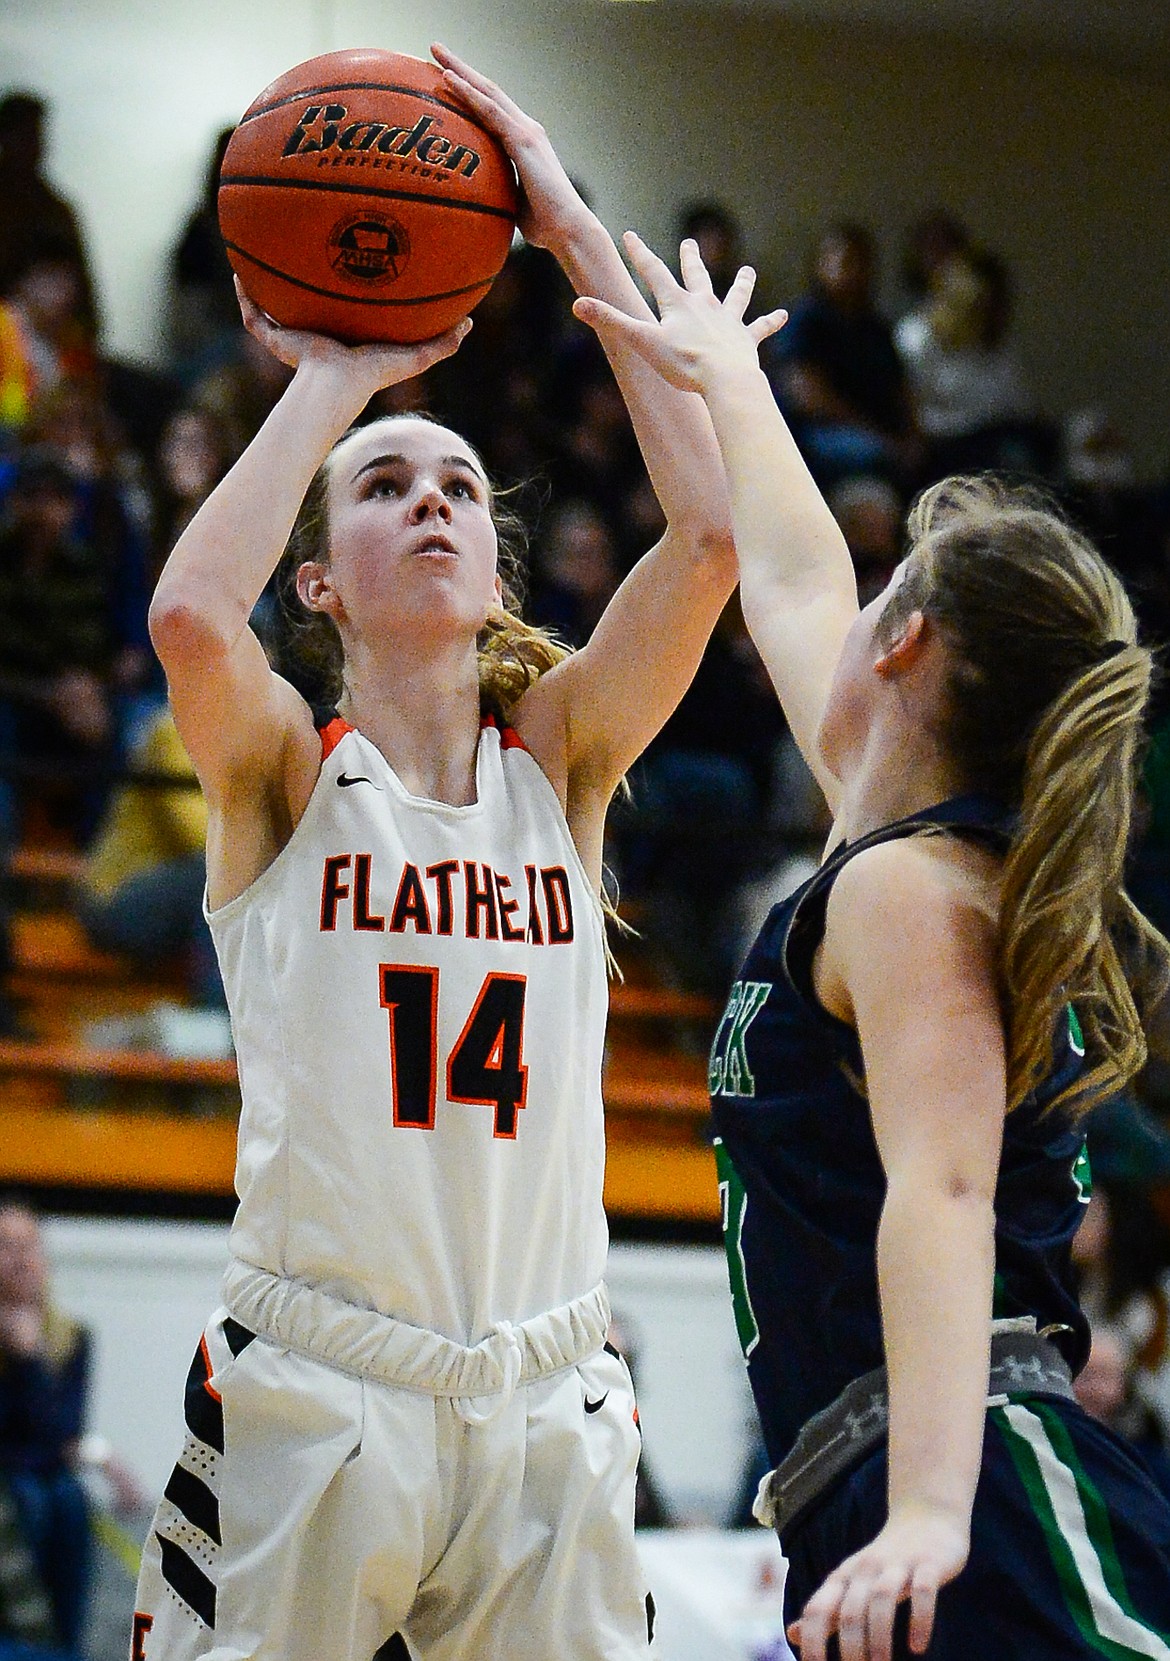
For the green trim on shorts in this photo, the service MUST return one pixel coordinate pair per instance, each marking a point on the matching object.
(1076, 1527)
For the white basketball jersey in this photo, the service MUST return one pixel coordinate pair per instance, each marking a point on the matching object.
(418, 999)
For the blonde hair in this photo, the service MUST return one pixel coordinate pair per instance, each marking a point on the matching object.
(1047, 691)
(512, 653)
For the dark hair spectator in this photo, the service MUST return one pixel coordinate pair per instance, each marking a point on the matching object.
(717, 232)
(193, 454)
(242, 390)
(60, 647)
(204, 315)
(574, 570)
(32, 214)
(871, 515)
(700, 796)
(934, 238)
(836, 371)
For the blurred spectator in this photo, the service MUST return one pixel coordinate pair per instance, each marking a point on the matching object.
(59, 648)
(596, 453)
(1100, 486)
(45, 337)
(495, 388)
(1105, 1388)
(44, 1380)
(836, 372)
(242, 391)
(970, 395)
(32, 215)
(191, 459)
(1096, 455)
(696, 825)
(574, 571)
(11, 1025)
(933, 239)
(204, 315)
(143, 889)
(1102, 1385)
(114, 517)
(870, 513)
(717, 232)
(27, 1629)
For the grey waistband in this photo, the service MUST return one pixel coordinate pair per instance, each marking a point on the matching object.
(1023, 1361)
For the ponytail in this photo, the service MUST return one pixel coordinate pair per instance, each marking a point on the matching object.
(1045, 700)
(1064, 910)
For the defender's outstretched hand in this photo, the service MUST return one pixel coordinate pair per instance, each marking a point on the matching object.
(696, 333)
(550, 203)
(377, 364)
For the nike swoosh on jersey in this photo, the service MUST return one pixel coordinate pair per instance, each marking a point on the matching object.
(344, 779)
(596, 1406)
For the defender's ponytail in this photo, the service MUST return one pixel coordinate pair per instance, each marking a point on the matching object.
(1046, 694)
(1064, 909)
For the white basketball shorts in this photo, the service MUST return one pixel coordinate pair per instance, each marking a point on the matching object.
(346, 1477)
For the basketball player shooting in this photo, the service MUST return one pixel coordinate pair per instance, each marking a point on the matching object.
(405, 1417)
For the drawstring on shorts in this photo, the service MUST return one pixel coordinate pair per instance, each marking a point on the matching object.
(479, 1410)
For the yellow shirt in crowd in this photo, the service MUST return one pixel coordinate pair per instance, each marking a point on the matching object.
(147, 824)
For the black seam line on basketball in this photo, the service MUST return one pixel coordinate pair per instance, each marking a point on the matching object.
(184, 1576)
(339, 187)
(357, 299)
(356, 86)
(193, 1499)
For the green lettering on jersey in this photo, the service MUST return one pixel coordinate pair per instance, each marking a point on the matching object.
(729, 1073)
(733, 1206)
(1082, 1175)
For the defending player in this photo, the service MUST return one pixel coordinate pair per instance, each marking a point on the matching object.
(405, 1417)
(904, 1062)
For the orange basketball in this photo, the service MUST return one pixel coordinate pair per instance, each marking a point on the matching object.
(358, 200)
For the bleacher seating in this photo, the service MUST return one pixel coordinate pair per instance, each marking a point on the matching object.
(94, 1115)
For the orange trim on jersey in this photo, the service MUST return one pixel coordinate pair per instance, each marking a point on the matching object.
(510, 739)
(332, 734)
(207, 1384)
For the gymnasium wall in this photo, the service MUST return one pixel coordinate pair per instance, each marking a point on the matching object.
(1058, 165)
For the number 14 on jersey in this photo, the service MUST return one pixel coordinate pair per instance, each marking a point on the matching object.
(486, 1065)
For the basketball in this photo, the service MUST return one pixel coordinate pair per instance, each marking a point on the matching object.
(357, 199)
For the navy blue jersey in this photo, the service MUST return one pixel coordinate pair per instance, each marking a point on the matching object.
(802, 1182)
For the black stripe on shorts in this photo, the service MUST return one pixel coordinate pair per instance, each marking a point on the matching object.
(202, 1408)
(191, 1496)
(238, 1337)
(187, 1579)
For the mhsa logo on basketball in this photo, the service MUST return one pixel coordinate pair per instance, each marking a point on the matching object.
(326, 131)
